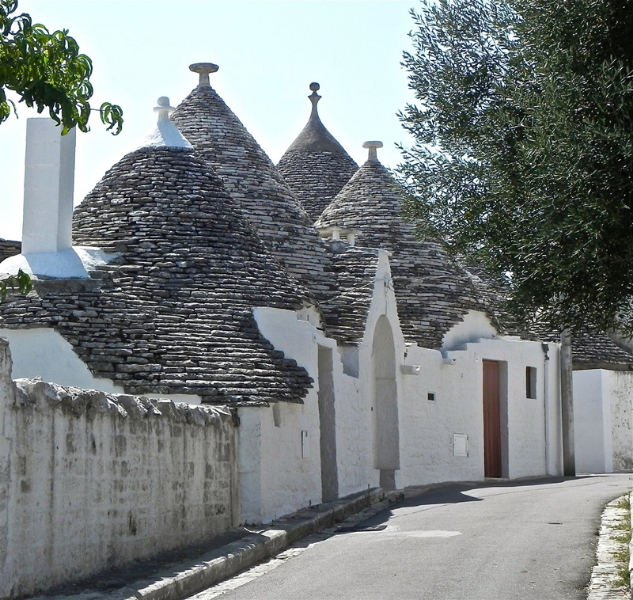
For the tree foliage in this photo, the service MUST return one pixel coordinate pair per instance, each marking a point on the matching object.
(523, 154)
(19, 283)
(47, 71)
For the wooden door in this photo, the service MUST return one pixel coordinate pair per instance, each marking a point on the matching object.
(492, 420)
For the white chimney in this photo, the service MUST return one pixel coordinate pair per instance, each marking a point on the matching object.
(48, 187)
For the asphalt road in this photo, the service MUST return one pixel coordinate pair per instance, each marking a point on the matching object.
(533, 540)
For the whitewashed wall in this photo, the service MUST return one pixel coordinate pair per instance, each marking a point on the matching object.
(32, 349)
(603, 420)
(456, 380)
(90, 481)
(356, 424)
(592, 423)
(275, 477)
(621, 392)
(531, 426)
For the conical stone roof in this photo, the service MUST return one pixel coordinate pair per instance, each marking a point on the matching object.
(316, 166)
(252, 180)
(432, 293)
(174, 312)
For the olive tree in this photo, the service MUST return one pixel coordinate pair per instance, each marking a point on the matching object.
(523, 153)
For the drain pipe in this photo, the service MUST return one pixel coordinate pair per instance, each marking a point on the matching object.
(567, 404)
(546, 407)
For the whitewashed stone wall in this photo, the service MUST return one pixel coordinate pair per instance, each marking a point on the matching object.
(621, 391)
(603, 414)
(278, 475)
(90, 480)
(530, 426)
(592, 423)
(383, 305)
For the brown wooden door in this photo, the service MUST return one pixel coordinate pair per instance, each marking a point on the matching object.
(492, 420)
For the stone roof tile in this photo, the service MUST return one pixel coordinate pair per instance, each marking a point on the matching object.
(599, 351)
(354, 273)
(174, 312)
(9, 248)
(316, 166)
(432, 293)
(252, 180)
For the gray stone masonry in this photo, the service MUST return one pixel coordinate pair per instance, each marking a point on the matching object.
(316, 166)
(9, 248)
(432, 293)
(256, 186)
(354, 271)
(173, 313)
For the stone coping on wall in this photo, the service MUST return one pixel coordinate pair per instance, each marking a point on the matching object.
(34, 392)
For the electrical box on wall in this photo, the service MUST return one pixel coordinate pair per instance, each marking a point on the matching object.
(305, 444)
(410, 369)
(460, 444)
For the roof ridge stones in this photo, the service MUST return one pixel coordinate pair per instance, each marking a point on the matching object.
(173, 314)
(254, 183)
(432, 294)
(315, 165)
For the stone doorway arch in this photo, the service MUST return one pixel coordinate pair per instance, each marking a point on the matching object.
(385, 404)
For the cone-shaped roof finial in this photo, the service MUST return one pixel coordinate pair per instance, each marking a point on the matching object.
(203, 69)
(316, 166)
(314, 97)
(166, 133)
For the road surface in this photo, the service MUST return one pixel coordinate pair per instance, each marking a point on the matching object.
(533, 540)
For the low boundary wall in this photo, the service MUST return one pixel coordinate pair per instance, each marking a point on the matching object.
(90, 480)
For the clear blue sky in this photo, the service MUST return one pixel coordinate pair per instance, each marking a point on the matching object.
(268, 53)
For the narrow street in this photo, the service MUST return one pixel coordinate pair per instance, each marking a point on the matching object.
(533, 540)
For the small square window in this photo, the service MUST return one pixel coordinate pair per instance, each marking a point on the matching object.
(431, 397)
(530, 382)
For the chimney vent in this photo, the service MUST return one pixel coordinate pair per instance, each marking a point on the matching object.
(49, 177)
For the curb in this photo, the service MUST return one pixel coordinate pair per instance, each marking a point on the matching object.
(631, 547)
(603, 574)
(216, 566)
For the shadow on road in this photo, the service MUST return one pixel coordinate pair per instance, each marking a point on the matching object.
(452, 494)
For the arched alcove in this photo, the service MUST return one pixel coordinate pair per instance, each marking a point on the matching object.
(385, 405)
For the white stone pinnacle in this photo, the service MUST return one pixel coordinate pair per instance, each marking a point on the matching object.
(204, 69)
(373, 146)
(166, 134)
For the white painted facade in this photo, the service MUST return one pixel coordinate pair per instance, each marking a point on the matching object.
(276, 478)
(603, 420)
(530, 427)
(419, 420)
